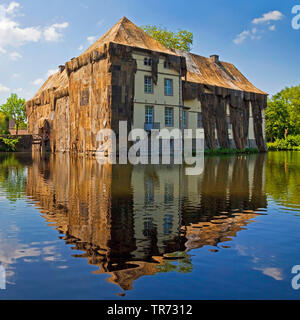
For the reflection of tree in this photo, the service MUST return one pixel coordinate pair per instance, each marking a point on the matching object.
(12, 177)
(180, 262)
(283, 176)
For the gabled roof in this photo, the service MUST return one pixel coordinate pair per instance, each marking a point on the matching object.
(199, 69)
(127, 33)
(221, 74)
(57, 80)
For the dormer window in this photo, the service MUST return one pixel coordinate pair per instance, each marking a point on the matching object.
(148, 62)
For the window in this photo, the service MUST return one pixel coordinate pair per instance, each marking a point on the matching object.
(168, 87)
(149, 227)
(117, 68)
(169, 117)
(149, 192)
(149, 115)
(168, 224)
(169, 193)
(148, 62)
(148, 85)
(184, 119)
(229, 122)
(167, 65)
(199, 120)
(84, 99)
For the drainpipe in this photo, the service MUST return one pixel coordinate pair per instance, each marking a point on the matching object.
(181, 106)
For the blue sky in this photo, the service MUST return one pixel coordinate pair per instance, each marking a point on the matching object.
(257, 36)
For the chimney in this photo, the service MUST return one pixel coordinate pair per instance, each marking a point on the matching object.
(61, 68)
(214, 58)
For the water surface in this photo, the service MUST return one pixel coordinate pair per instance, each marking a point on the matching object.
(73, 229)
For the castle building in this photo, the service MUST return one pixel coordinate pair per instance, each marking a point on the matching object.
(128, 76)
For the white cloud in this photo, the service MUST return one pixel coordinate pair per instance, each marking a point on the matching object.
(91, 39)
(15, 56)
(53, 32)
(269, 16)
(80, 48)
(38, 82)
(256, 32)
(15, 75)
(12, 6)
(11, 34)
(3, 88)
(274, 273)
(240, 38)
(51, 72)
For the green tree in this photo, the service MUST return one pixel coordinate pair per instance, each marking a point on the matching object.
(182, 40)
(14, 108)
(283, 114)
(277, 120)
(4, 123)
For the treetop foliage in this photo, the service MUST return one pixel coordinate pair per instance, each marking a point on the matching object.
(283, 114)
(14, 108)
(182, 40)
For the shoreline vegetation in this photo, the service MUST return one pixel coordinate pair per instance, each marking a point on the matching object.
(290, 143)
(283, 120)
(222, 151)
(8, 143)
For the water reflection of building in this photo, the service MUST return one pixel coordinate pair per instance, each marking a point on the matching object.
(130, 220)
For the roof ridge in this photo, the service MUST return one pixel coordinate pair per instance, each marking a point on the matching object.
(127, 33)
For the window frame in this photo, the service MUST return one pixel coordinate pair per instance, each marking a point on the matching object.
(147, 62)
(147, 115)
(199, 120)
(167, 65)
(147, 85)
(168, 116)
(172, 87)
(186, 122)
(229, 123)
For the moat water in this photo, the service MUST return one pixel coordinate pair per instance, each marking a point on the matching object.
(73, 229)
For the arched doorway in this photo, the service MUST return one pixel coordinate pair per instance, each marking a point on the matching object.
(44, 134)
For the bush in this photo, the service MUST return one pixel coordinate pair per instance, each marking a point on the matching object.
(10, 143)
(290, 143)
